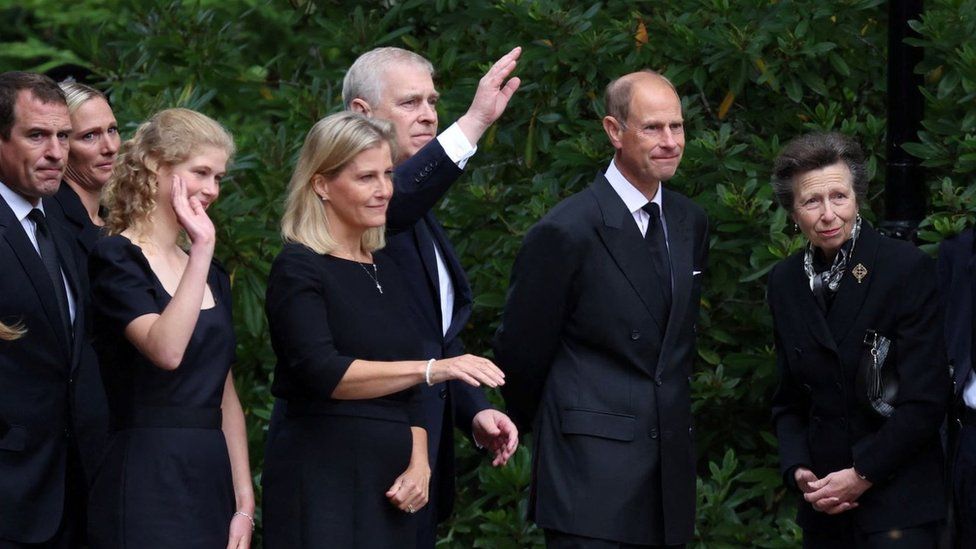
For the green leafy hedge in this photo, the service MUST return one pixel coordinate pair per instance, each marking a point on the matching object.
(752, 73)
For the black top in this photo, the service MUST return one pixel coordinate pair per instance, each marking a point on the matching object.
(324, 312)
(124, 287)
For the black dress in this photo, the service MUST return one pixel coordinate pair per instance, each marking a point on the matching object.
(328, 467)
(166, 479)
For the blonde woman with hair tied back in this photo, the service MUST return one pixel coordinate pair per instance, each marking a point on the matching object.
(94, 143)
(348, 464)
(176, 472)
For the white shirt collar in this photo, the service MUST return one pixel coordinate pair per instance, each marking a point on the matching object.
(20, 205)
(633, 198)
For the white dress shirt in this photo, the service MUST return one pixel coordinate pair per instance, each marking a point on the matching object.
(22, 208)
(635, 200)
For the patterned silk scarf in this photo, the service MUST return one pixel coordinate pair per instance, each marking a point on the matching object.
(824, 284)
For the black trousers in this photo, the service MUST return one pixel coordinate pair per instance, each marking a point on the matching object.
(561, 540)
(925, 536)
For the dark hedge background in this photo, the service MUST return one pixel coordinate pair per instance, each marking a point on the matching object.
(752, 73)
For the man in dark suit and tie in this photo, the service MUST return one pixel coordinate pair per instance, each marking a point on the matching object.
(598, 338)
(397, 85)
(42, 292)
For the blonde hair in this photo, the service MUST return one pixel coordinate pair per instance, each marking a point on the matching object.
(168, 138)
(77, 94)
(10, 332)
(329, 146)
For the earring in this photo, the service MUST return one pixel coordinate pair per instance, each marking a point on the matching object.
(796, 228)
(322, 198)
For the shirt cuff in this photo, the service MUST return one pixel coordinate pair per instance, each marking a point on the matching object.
(456, 145)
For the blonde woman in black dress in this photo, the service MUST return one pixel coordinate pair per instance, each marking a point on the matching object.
(176, 474)
(348, 465)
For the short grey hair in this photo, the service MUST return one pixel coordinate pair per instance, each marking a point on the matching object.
(365, 78)
(814, 151)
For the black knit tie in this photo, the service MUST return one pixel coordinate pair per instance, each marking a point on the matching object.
(654, 237)
(52, 263)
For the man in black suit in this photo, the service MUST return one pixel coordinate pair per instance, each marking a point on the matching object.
(957, 284)
(598, 338)
(397, 85)
(42, 290)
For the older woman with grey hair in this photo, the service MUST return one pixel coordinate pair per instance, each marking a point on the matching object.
(863, 385)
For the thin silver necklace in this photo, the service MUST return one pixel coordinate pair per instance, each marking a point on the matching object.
(373, 275)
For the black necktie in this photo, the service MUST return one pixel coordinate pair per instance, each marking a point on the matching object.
(52, 263)
(654, 237)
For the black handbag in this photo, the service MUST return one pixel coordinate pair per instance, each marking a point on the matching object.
(877, 380)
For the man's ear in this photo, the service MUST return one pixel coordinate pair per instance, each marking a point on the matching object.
(613, 128)
(361, 106)
(321, 186)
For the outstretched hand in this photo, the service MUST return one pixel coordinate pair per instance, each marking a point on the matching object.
(496, 432)
(492, 96)
(471, 369)
(192, 216)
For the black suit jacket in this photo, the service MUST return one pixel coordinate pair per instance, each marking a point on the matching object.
(67, 205)
(957, 277)
(604, 380)
(419, 182)
(818, 418)
(37, 374)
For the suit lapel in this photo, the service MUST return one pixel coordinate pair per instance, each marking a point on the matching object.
(626, 245)
(462, 291)
(851, 293)
(425, 246)
(30, 261)
(62, 241)
(680, 252)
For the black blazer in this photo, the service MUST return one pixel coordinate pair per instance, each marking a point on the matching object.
(604, 380)
(419, 182)
(37, 374)
(817, 415)
(957, 277)
(67, 205)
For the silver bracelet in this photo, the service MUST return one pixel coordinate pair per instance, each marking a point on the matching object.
(245, 515)
(430, 363)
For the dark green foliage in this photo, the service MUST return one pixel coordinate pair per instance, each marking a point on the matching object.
(752, 73)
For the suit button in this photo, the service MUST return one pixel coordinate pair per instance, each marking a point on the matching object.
(658, 382)
(653, 433)
(443, 394)
(691, 430)
(634, 335)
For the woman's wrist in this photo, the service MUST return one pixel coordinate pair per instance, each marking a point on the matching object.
(248, 516)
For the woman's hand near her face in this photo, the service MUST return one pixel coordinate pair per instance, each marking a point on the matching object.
(193, 217)
(473, 370)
